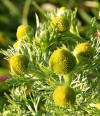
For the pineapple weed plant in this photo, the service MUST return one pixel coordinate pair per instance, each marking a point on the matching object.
(52, 68)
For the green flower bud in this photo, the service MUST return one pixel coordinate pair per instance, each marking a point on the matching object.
(62, 61)
(64, 95)
(59, 22)
(19, 64)
(83, 51)
(24, 31)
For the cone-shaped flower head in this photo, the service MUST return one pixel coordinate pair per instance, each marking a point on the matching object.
(64, 95)
(62, 61)
(24, 31)
(19, 64)
(83, 51)
(60, 23)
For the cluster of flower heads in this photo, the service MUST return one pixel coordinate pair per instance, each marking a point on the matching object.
(19, 62)
(62, 61)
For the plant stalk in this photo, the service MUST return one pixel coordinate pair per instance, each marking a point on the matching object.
(68, 78)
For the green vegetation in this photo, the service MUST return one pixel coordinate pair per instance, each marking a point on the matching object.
(55, 69)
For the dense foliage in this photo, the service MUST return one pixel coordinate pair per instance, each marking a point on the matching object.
(41, 90)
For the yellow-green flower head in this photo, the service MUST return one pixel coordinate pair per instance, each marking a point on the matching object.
(84, 51)
(19, 64)
(64, 95)
(24, 31)
(62, 61)
(62, 9)
(60, 22)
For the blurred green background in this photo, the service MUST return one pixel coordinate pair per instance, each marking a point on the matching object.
(16, 12)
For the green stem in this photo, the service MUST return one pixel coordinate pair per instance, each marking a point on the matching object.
(30, 54)
(26, 11)
(11, 7)
(68, 78)
(40, 10)
(84, 16)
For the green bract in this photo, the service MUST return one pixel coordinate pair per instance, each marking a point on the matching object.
(62, 61)
(64, 95)
(19, 64)
(83, 51)
(24, 31)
